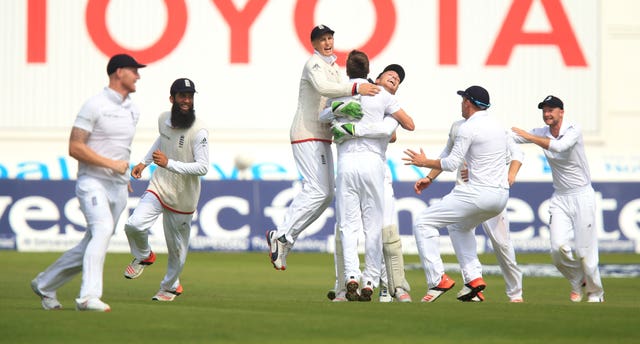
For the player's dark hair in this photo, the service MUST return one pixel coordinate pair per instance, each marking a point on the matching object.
(357, 64)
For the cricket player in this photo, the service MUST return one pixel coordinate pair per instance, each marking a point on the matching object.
(359, 187)
(311, 143)
(482, 143)
(101, 142)
(393, 281)
(572, 226)
(181, 153)
(496, 228)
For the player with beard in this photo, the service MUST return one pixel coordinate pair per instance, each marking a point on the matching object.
(181, 152)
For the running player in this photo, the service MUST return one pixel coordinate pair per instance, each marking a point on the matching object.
(572, 223)
(181, 152)
(101, 142)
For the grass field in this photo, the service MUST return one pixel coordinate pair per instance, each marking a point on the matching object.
(240, 298)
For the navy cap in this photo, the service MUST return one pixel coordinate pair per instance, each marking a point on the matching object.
(396, 68)
(121, 61)
(320, 30)
(552, 102)
(183, 85)
(477, 95)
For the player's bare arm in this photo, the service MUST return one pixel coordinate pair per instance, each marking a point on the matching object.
(514, 167)
(79, 150)
(406, 122)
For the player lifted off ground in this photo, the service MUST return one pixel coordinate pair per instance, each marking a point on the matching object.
(101, 142)
(181, 153)
(496, 228)
(481, 142)
(393, 282)
(311, 143)
(572, 223)
(360, 183)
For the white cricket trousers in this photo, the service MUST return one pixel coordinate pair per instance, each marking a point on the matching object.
(359, 207)
(462, 210)
(389, 219)
(314, 160)
(497, 229)
(574, 239)
(102, 202)
(177, 229)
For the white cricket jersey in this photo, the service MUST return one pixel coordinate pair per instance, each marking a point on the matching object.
(320, 80)
(566, 156)
(374, 109)
(178, 185)
(515, 153)
(482, 142)
(112, 122)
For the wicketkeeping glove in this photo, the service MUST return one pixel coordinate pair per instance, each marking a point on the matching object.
(352, 109)
(342, 131)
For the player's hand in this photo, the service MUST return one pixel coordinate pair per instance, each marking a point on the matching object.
(415, 158)
(421, 184)
(136, 172)
(464, 174)
(367, 89)
(522, 133)
(120, 166)
(160, 158)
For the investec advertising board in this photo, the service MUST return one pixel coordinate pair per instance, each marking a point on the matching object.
(246, 58)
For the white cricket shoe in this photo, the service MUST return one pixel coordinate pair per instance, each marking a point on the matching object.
(352, 293)
(135, 269)
(278, 251)
(48, 303)
(575, 296)
(341, 296)
(384, 295)
(167, 295)
(594, 298)
(402, 295)
(92, 304)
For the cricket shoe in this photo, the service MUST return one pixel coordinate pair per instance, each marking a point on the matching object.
(575, 296)
(517, 300)
(478, 298)
(384, 295)
(48, 303)
(594, 298)
(92, 304)
(331, 294)
(167, 295)
(135, 269)
(341, 296)
(352, 289)
(278, 251)
(402, 295)
(434, 293)
(366, 292)
(471, 289)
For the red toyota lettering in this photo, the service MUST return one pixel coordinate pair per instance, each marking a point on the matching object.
(512, 34)
(176, 25)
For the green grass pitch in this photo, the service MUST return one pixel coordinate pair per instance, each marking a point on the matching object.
(240, 298)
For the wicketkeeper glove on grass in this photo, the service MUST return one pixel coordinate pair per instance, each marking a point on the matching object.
(351, 109)
(342, 131)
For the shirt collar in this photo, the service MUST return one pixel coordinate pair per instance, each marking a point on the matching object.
(328, 59)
